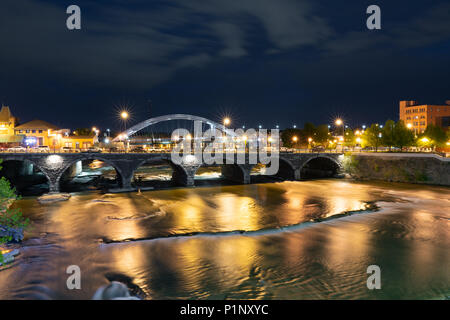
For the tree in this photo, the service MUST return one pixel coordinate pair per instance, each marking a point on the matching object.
(436, 135)
(403, 137)
(321, 135)
(287, 136)
(83, 132)
(309, 129)
(372, 136)
(9, 218)
(388, 134)
(349, 138)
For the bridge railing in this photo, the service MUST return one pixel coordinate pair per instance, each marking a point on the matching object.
(282, 150)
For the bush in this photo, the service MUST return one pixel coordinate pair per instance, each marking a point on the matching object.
(9, 218)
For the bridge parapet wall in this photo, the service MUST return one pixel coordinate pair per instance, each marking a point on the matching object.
(54, 165)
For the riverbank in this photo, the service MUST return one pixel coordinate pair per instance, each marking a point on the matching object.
(393, 167)
(7, 250)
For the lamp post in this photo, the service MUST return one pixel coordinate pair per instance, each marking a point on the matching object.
(295, 139)
(338, 123)
(124, 115)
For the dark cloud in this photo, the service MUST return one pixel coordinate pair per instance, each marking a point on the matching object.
(306, 59)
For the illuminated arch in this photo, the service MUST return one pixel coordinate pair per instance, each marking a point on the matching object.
(169, 117)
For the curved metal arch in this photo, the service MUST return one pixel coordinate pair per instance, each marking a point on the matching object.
(178, 116)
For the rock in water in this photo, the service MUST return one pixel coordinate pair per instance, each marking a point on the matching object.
(9, 256)
(53, 197)
(114, 291)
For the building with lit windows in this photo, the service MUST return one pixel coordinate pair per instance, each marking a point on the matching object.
(7, 124)
(419, 116)
(37, 133)
(40, 133)
(76, 142)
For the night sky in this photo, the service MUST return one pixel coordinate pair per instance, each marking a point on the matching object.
(260, 61)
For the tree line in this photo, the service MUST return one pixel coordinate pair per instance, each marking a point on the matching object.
(391, 135)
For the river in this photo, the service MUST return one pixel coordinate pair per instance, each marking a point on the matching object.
(286, 240)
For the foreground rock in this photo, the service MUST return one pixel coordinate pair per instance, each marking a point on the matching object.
(8, 256)
(114, 291)
(53, 197)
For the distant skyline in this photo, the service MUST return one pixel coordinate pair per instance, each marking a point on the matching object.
(262, 62)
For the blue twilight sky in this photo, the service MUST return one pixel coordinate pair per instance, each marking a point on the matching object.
(261, 61)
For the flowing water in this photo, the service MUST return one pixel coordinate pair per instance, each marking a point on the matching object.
(287, 240)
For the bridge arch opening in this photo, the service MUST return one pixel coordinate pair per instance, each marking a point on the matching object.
(89, 174)
(25, 176)
(236, 173)
(209, 174)
(221, 174)
(320, 167)
(161, 173)
(286, 171)
(154, 173)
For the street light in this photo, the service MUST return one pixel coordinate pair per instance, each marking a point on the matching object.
(339, 122)
(226, 121)
(294, 138)
(124, 115)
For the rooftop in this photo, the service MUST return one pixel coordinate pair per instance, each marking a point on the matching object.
(37, 124)
(5, 114)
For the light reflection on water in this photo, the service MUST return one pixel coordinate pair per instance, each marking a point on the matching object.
(198, 242)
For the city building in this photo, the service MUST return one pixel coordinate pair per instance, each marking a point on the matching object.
(79, 142)
(7, 124)
(419, 116)
(39, 133)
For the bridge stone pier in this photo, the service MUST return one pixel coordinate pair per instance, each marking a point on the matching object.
(53, 166)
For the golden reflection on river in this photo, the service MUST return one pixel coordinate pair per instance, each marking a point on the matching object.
(250, 242)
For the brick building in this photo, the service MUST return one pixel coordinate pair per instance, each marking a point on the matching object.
(419, 116)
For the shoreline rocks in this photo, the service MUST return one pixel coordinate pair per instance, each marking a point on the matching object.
(9, 256)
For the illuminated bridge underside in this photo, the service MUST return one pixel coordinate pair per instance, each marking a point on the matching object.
(54, 165)
(170, 117)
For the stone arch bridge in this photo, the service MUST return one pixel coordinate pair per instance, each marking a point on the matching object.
(291, 165)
